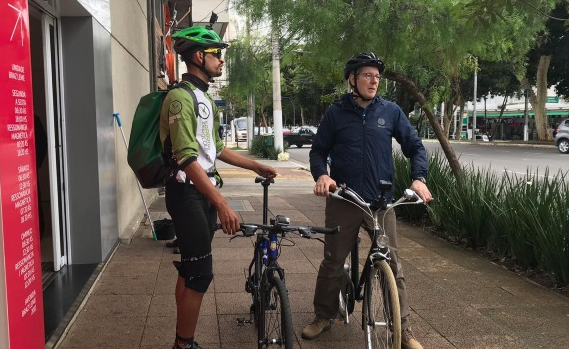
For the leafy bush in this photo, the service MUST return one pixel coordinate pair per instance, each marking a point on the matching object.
(520, 217)
(260, 146)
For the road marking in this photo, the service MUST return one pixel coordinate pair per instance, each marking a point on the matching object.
(525, 173)
(299, 164)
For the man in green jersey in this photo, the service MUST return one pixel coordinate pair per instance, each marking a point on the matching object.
(192, 197)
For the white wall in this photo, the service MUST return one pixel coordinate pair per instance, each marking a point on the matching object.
(131, 80)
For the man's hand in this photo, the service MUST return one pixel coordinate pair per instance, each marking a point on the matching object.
(322, 186)
(421, 189)
(265, 171)
(228, 218)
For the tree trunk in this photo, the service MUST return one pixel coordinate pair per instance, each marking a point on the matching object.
(448, 117)
(445, 144)
(538, 98)
(540, 113)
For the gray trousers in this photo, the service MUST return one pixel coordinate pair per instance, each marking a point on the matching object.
(337, 247)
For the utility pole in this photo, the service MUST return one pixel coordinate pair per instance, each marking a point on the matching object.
(277, 105)
(474, 101)
(251, 97)
(526, 117)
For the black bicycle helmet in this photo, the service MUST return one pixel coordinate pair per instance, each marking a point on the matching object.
(364, 59)
(193, 37)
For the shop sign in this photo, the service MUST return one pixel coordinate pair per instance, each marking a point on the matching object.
(18, 182)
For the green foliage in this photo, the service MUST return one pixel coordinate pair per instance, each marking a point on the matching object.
(261, 146)
(525, 218)
(425, 40)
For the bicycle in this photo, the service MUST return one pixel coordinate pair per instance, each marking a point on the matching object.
(381, 319)
(270, 309)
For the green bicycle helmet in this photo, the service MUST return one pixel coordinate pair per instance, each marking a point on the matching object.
(194, 37)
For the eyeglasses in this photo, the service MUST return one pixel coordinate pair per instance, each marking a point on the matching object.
(370, 76)
(214, 51)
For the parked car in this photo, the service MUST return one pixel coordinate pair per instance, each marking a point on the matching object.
(303, 135)
(562, 136)
(483, 138)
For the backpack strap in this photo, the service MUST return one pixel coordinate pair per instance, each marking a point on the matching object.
(194, 99)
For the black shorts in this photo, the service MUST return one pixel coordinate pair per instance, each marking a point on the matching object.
(194, 219)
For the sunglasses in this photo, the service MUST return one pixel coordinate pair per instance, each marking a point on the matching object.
(214, 51)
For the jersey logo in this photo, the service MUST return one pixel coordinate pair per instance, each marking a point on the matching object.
(175, 107)
(204, 111)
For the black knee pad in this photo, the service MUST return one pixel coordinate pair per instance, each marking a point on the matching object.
(197, 272)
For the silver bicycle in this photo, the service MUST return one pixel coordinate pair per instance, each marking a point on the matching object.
(381, 318)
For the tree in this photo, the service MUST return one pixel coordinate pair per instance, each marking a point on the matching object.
(547, 65)
(424, 44)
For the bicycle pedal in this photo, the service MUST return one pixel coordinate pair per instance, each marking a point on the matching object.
(338, 322)
(241, 321)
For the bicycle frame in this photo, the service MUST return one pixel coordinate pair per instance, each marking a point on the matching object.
(379, 249)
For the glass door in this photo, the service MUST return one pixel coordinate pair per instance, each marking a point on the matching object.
(47, 107)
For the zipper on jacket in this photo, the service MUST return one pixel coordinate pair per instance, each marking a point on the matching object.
(363, 151)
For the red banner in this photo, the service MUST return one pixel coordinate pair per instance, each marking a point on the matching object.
(18, 181)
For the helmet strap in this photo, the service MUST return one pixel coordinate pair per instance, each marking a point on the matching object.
(356, 94)
(202, 66)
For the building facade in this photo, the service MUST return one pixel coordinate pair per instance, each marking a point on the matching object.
(70, 66)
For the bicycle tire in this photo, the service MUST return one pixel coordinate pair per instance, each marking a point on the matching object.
(255, 308)
(381, 314)
(275, 320)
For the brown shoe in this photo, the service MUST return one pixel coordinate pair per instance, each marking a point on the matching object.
(316, 328)
(408, 340)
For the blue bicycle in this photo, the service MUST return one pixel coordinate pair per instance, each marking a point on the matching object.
(265, 281)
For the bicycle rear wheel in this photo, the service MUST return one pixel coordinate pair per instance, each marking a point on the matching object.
(381, 313)
(275, 320)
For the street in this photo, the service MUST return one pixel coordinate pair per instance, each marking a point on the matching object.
(499, 157)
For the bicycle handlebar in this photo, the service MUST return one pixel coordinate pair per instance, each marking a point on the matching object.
(307, 232)
(344, 191)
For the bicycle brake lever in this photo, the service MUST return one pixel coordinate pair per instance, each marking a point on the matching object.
(306, 233)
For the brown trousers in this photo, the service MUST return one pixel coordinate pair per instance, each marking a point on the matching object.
(337, 247)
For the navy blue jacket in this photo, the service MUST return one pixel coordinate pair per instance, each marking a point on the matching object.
(359, 143)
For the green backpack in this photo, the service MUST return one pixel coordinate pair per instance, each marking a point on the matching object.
(145, 154)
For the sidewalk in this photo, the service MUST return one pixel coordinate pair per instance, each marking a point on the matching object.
(458, 299)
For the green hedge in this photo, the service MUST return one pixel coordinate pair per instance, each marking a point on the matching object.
(263, 147)
(521, 217)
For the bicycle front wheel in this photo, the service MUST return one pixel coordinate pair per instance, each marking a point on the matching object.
(275, 321)
(381, 313)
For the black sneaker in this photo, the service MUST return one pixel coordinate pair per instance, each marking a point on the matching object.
(193, 346)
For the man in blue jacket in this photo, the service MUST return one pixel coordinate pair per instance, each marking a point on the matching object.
(356, 132)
